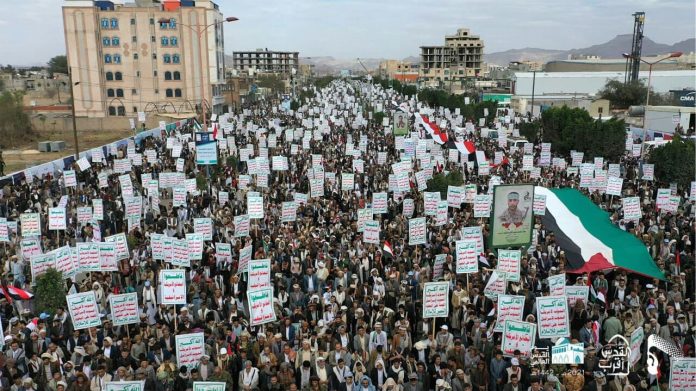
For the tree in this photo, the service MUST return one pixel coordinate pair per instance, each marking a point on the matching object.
(272, 82)
(442, 182)
(674, 162)
(14, 122)
(573, 129)
(49, 293)
(530, 130)
(378, 117)
(622, 95)
(58, 64)
(294, 105)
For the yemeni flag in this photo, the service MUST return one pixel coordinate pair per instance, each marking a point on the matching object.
(12, 293)
(438, 135)
(215, 131)
(387, 249)
(590, 241)
(466, 147)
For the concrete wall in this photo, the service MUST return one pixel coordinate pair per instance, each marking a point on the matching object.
(96, 124)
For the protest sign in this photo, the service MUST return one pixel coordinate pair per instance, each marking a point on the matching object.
(512, 220)
(223, 252)
(441, 215)
(31, 224)
(195, 246)
(173, 286)
(430, 200)
(255, 207)
(379, 203)
(209, 386)
(65, 263)
(203, 226)
(614, 186)
(552, 317)
(371, 232)
(631, 208)
(347, 181)
(124, 309)
(635, 343)
(475, 234)
(416, 231)
(261, 306)
(189, 349)
(682, 374)
(241, 226)
(83, 309)
(557, 284)
(125, 385)
(454, 196)
(40, 263)
(539, 206)
(56, 218)
(289, 212)
(482, 206)
(575, 293)
(518, 336)
(509, 263)
(259, 274)
(496, 285)
(648, 172)
(467, 256)
(88, 257)
(508, 308)
(107, 257)
(436, 300)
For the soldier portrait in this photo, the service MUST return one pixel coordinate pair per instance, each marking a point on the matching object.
(512, 215)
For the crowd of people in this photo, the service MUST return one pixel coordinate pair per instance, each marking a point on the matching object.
(348, 314)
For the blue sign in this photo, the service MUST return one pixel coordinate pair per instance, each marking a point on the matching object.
(206, 149)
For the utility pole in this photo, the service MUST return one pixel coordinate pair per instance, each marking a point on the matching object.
(533, 87)
(72, 107)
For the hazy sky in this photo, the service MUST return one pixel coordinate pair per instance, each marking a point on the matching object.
(31, 31)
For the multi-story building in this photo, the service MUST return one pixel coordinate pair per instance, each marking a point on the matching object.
(266, 61)
(460, 58)
(146, 56)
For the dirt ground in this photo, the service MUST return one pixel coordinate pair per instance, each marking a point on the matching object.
(27, 155)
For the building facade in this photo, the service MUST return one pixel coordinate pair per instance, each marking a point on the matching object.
(266, 61)
(145, 56)
(459, 59)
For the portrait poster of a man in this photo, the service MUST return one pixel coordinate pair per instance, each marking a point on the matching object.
(512, 215)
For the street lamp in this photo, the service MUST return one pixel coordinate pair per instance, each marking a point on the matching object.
(650, 65)
(72, 108)
(199, 30)
(647, 97)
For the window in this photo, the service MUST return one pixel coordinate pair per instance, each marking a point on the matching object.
(169, 93)
(122, 111)
(107, 58)
(135, 109)
(112, 110)
(109, 76)
(167, 75)
(156, 91)
(106, 41)
(176, 59)
(152, 21)
(600, 110)
(115, 41)
(165, 41)
(117, 58)
(119, 92)
(173, 41)
(152, 38)
(154, 73)
(167, 59)
(134, 91)
(110, 92)
(105, 23)
(177, 92)
(172, 23)
(163, 25)
(134, 39)
(133, 21)
(177, 75)
(135, 56)
(118, 76)
(154, 56)
(114, 23)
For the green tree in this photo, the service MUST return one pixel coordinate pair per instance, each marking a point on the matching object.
(58, 64)
(294, 105)
(674, 162)
(573, 129)
(622, 95)
(14, 122)
(49, 293)
(441, 182)
(530, 130)
(272, 82)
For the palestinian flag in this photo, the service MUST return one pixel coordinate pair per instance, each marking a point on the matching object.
(387, 249)
(438, 135)
(590, 241)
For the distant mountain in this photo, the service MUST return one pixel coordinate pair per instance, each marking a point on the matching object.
(610, 49)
